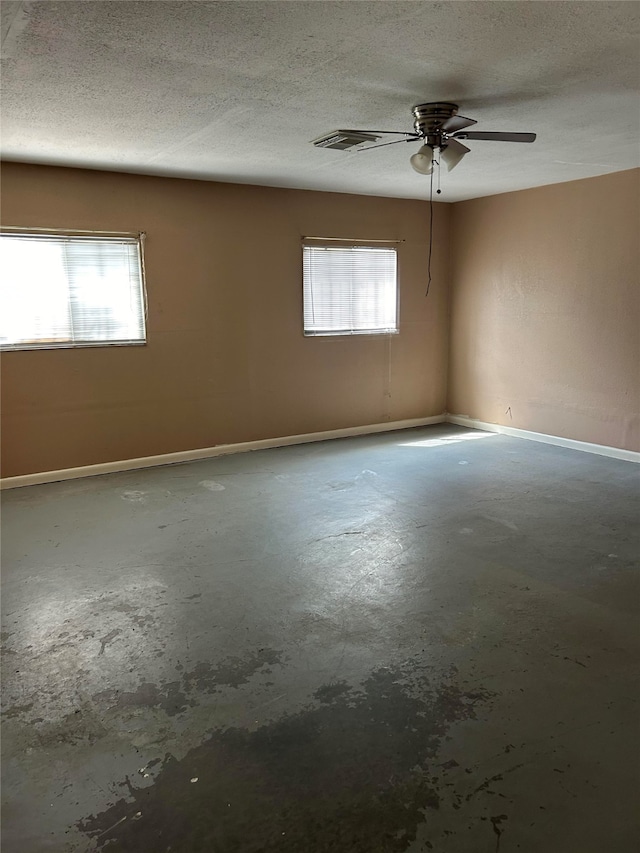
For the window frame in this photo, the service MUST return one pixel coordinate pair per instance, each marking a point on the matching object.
(337, 243)
(137, 237)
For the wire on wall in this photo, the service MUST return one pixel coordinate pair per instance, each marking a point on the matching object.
(430, 233)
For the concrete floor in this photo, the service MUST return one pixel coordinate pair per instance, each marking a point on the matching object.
(416, 641)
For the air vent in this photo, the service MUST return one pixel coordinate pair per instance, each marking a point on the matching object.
(341, 140)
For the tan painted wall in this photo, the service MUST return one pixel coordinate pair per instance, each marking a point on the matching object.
(545, 313)
(226, 359)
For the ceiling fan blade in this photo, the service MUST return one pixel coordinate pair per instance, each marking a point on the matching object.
(392, 132)
(343, 140)
(453, 153)
(457, 123)
(496, 136)
(382, 144)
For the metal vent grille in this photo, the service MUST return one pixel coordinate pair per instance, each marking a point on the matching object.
(341, 140)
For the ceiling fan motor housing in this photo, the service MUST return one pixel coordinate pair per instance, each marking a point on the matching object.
(429, 119)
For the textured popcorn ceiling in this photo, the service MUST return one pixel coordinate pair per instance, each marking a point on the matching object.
(235, 91)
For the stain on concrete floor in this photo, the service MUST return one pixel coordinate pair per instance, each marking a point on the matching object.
(354, 772)
(174, 697)
(231, 672)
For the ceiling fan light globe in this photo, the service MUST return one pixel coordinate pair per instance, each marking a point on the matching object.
(422, 160)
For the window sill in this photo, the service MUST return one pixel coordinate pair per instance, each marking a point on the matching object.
(83, 345)
(381, 333)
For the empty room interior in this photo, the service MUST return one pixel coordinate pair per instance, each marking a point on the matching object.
(320, 426)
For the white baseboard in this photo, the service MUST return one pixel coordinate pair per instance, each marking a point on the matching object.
(209, 452)
(572, 444)
(284, 441)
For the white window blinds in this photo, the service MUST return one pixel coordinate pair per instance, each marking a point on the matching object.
(350, 290)
(64, 291)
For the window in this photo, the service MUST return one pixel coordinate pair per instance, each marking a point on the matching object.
(68, 291)
(350, 290)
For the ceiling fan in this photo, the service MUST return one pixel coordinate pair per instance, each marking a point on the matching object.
(439, 127)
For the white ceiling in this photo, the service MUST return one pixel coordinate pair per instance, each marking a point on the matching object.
(235, 91)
